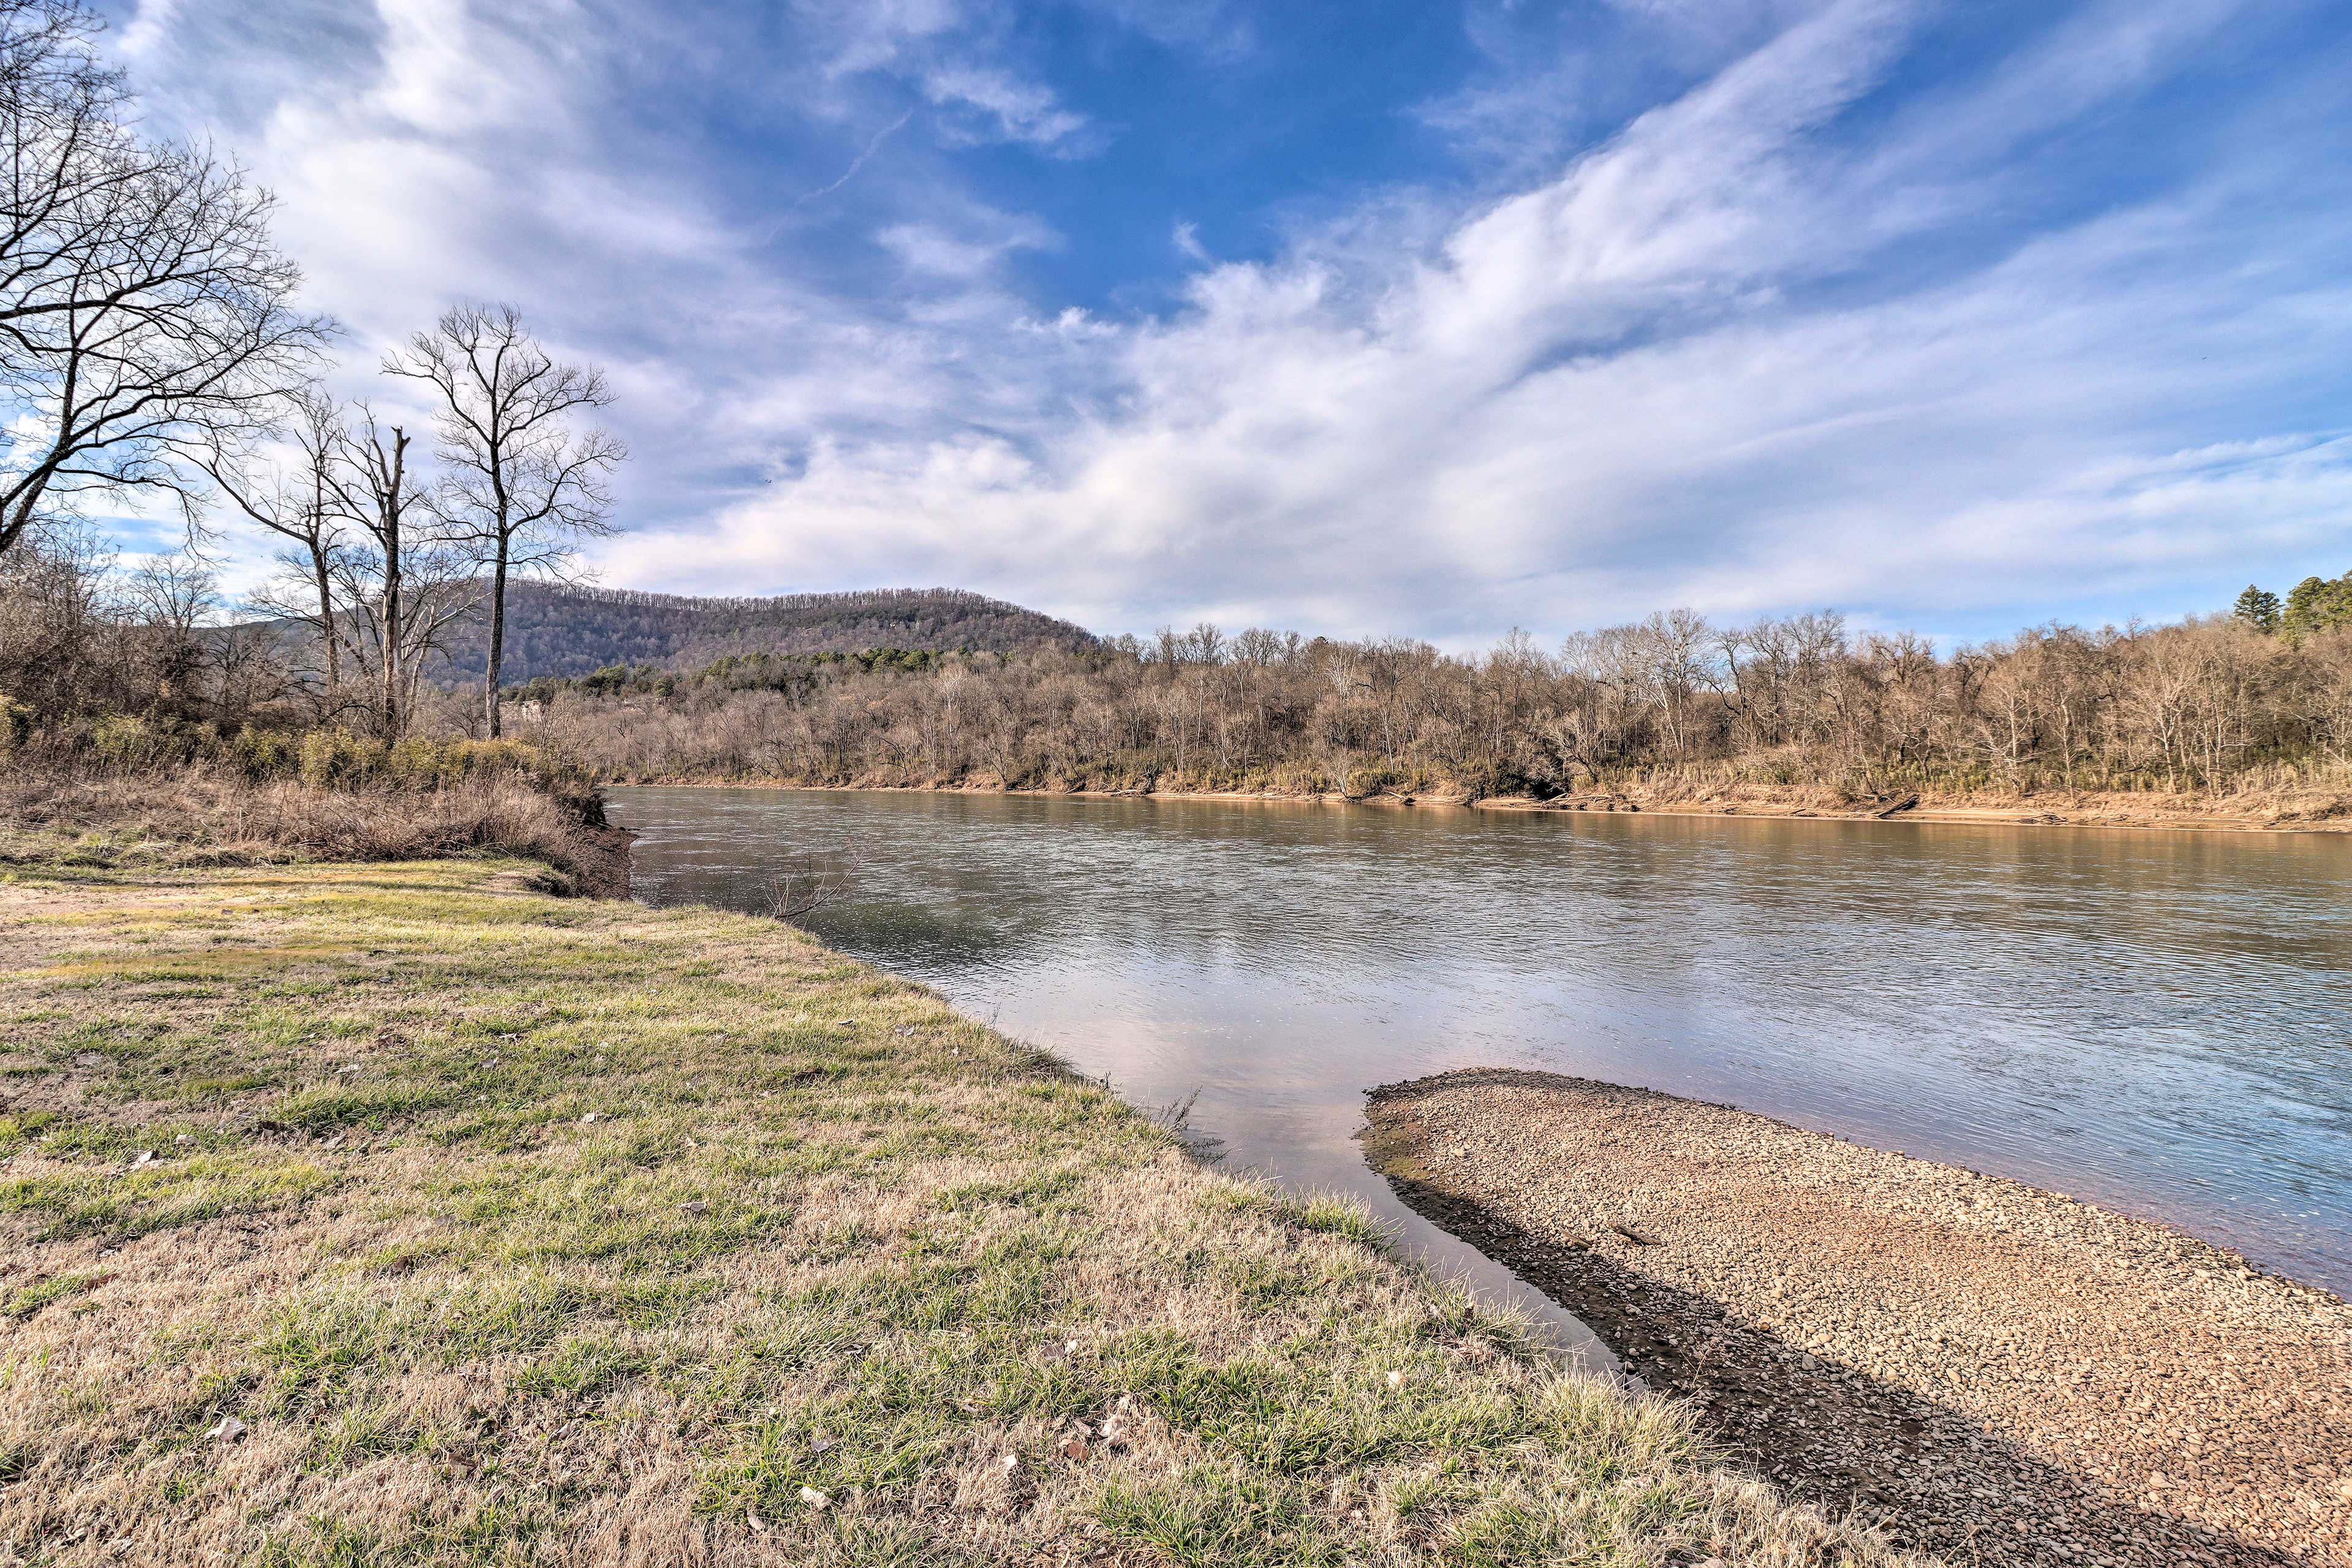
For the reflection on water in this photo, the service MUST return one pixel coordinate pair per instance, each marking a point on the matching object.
(2159, 1022)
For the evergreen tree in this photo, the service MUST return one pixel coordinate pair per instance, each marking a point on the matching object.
(2317, 604)
(2259, 608)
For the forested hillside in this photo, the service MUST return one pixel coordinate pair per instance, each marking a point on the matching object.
(558, 629)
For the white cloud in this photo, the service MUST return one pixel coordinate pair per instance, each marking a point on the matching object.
(1003, 109)
(1674, 367)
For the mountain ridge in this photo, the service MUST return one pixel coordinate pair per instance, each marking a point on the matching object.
(573, 629)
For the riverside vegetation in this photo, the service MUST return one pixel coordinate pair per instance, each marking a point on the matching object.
(2245, 713)
(404, 1212)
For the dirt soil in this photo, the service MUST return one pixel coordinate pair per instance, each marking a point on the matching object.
(2004, 1375)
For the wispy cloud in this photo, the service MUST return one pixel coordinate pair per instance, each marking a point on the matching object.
(865, 156)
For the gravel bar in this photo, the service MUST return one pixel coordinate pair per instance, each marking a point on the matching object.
(1999, 1373)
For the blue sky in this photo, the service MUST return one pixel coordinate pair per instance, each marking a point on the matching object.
(1394, 316)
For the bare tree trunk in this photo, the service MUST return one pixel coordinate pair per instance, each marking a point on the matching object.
(498, 641)
(391, 633)
(327, 637)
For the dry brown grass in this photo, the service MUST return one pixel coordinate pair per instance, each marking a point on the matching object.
(204, 814)
(524, 1230)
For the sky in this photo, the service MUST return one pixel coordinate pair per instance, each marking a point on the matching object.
(1431, 318)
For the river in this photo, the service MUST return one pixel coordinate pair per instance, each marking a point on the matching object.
(2158, 1022)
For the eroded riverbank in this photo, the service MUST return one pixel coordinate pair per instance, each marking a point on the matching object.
(2000, 1371)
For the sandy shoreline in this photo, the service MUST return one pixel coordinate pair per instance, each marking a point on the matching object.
(2005, 1375)
(2024, 813)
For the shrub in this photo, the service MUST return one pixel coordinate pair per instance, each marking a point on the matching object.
(335, 757)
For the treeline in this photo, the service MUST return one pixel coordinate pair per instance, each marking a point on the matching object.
(2312, 606)
(561, 629)
(1674, 703)
(799, 673)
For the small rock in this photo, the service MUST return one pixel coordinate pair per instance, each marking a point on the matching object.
(695, 1205)
(1010, 1462)
(587, 1118)
(1075, 1449)
(814, 1497)
(227, 1430)
(1396, 1380)
(756, 1522)
(146, 1157)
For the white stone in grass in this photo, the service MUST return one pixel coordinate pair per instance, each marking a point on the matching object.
(755, 1522)
(1396, 1380)
(146, 1157)
(227, 1430)
(814, 1497)
(1012, 1462)
(587, 1118)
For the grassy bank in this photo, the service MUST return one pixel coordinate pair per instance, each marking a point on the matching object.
(402, 1214)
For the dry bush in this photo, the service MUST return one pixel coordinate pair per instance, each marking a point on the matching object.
(58, 807)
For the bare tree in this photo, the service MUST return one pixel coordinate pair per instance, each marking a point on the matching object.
(523, 487)
(168, 600)
(144, 312)
(402, 581)
(302, 498)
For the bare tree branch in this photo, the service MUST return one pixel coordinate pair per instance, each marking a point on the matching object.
(146, 318)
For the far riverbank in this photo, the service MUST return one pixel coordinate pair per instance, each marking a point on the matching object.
(2002, 1372)
(2171, 813)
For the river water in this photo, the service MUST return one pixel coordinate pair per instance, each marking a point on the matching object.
(2156, 1021)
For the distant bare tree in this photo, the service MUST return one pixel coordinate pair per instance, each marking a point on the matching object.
(524, 487)
(403, 584)
(297, 493)
(53, 611)
(144, 312)
(168, 600)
